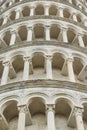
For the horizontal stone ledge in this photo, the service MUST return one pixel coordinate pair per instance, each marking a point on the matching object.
(42, 17)
(43, 83)
(58, 1)
(23, 44)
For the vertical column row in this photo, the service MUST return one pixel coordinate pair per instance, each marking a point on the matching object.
(48, 64)
(50, 113)
(63, 35)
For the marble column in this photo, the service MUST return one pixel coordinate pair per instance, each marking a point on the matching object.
(70, 69)
(13, 37)
(80, 39)
(78, 116)
(10, 3)
(85, 22)
(50, 117)
(74, 17)
(61, 12)
(5, 72)
(27, 61)
(49, 67)
(46, 9)
(17, 14)
(22, 117)
(64, 34)
(47, 32)
(5, 19)
(31, 10)
(29, 33)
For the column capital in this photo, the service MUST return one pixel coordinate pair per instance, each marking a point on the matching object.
(7, 63)
(50, 107)
(13, 30)
(18, 9)
(27, 58)
(32, 6)
(29, 28)
(74, 13)
(47, 26)
(5, 16)
(60, 7)
(48, 57)
(78, 111)
(64, 28)
(70, 59)
(80, 34)
(22, 108)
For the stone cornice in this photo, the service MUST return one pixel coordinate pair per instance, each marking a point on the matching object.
(23, 44)
(42, 17)
(60, 1)
(43, 84)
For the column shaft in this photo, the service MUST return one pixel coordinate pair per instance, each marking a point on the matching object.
(85, 22)
(22, 117)
(74, 17)
(61, 12)
(47, 10)
(29, 33)
(5, 73)
(13, 38)
(70, 70)
(79, 120)
(5, 20)
(49, 67)
(64, 34)
(81, 43)
(26, 68)
(50, 118)
(47, 33)
(17, 14)
(31, 11)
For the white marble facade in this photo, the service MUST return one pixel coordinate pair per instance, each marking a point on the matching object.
(43, 65)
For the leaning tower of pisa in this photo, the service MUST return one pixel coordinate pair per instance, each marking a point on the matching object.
(43, 64)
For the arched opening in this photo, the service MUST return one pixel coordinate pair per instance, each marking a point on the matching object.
(38, 63)
(57, 66)
(39, 32)
(66, 13)
(62, 112)
(77, 66)
(22, 31)
(12, 16)
(37, 111)
(7, 37)
(10, 112)
(17, 69)
(26, 11)
(72, 37)
(39, 10)
(54, 32)
(53, 10)
(79, 19)
(85, 40)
